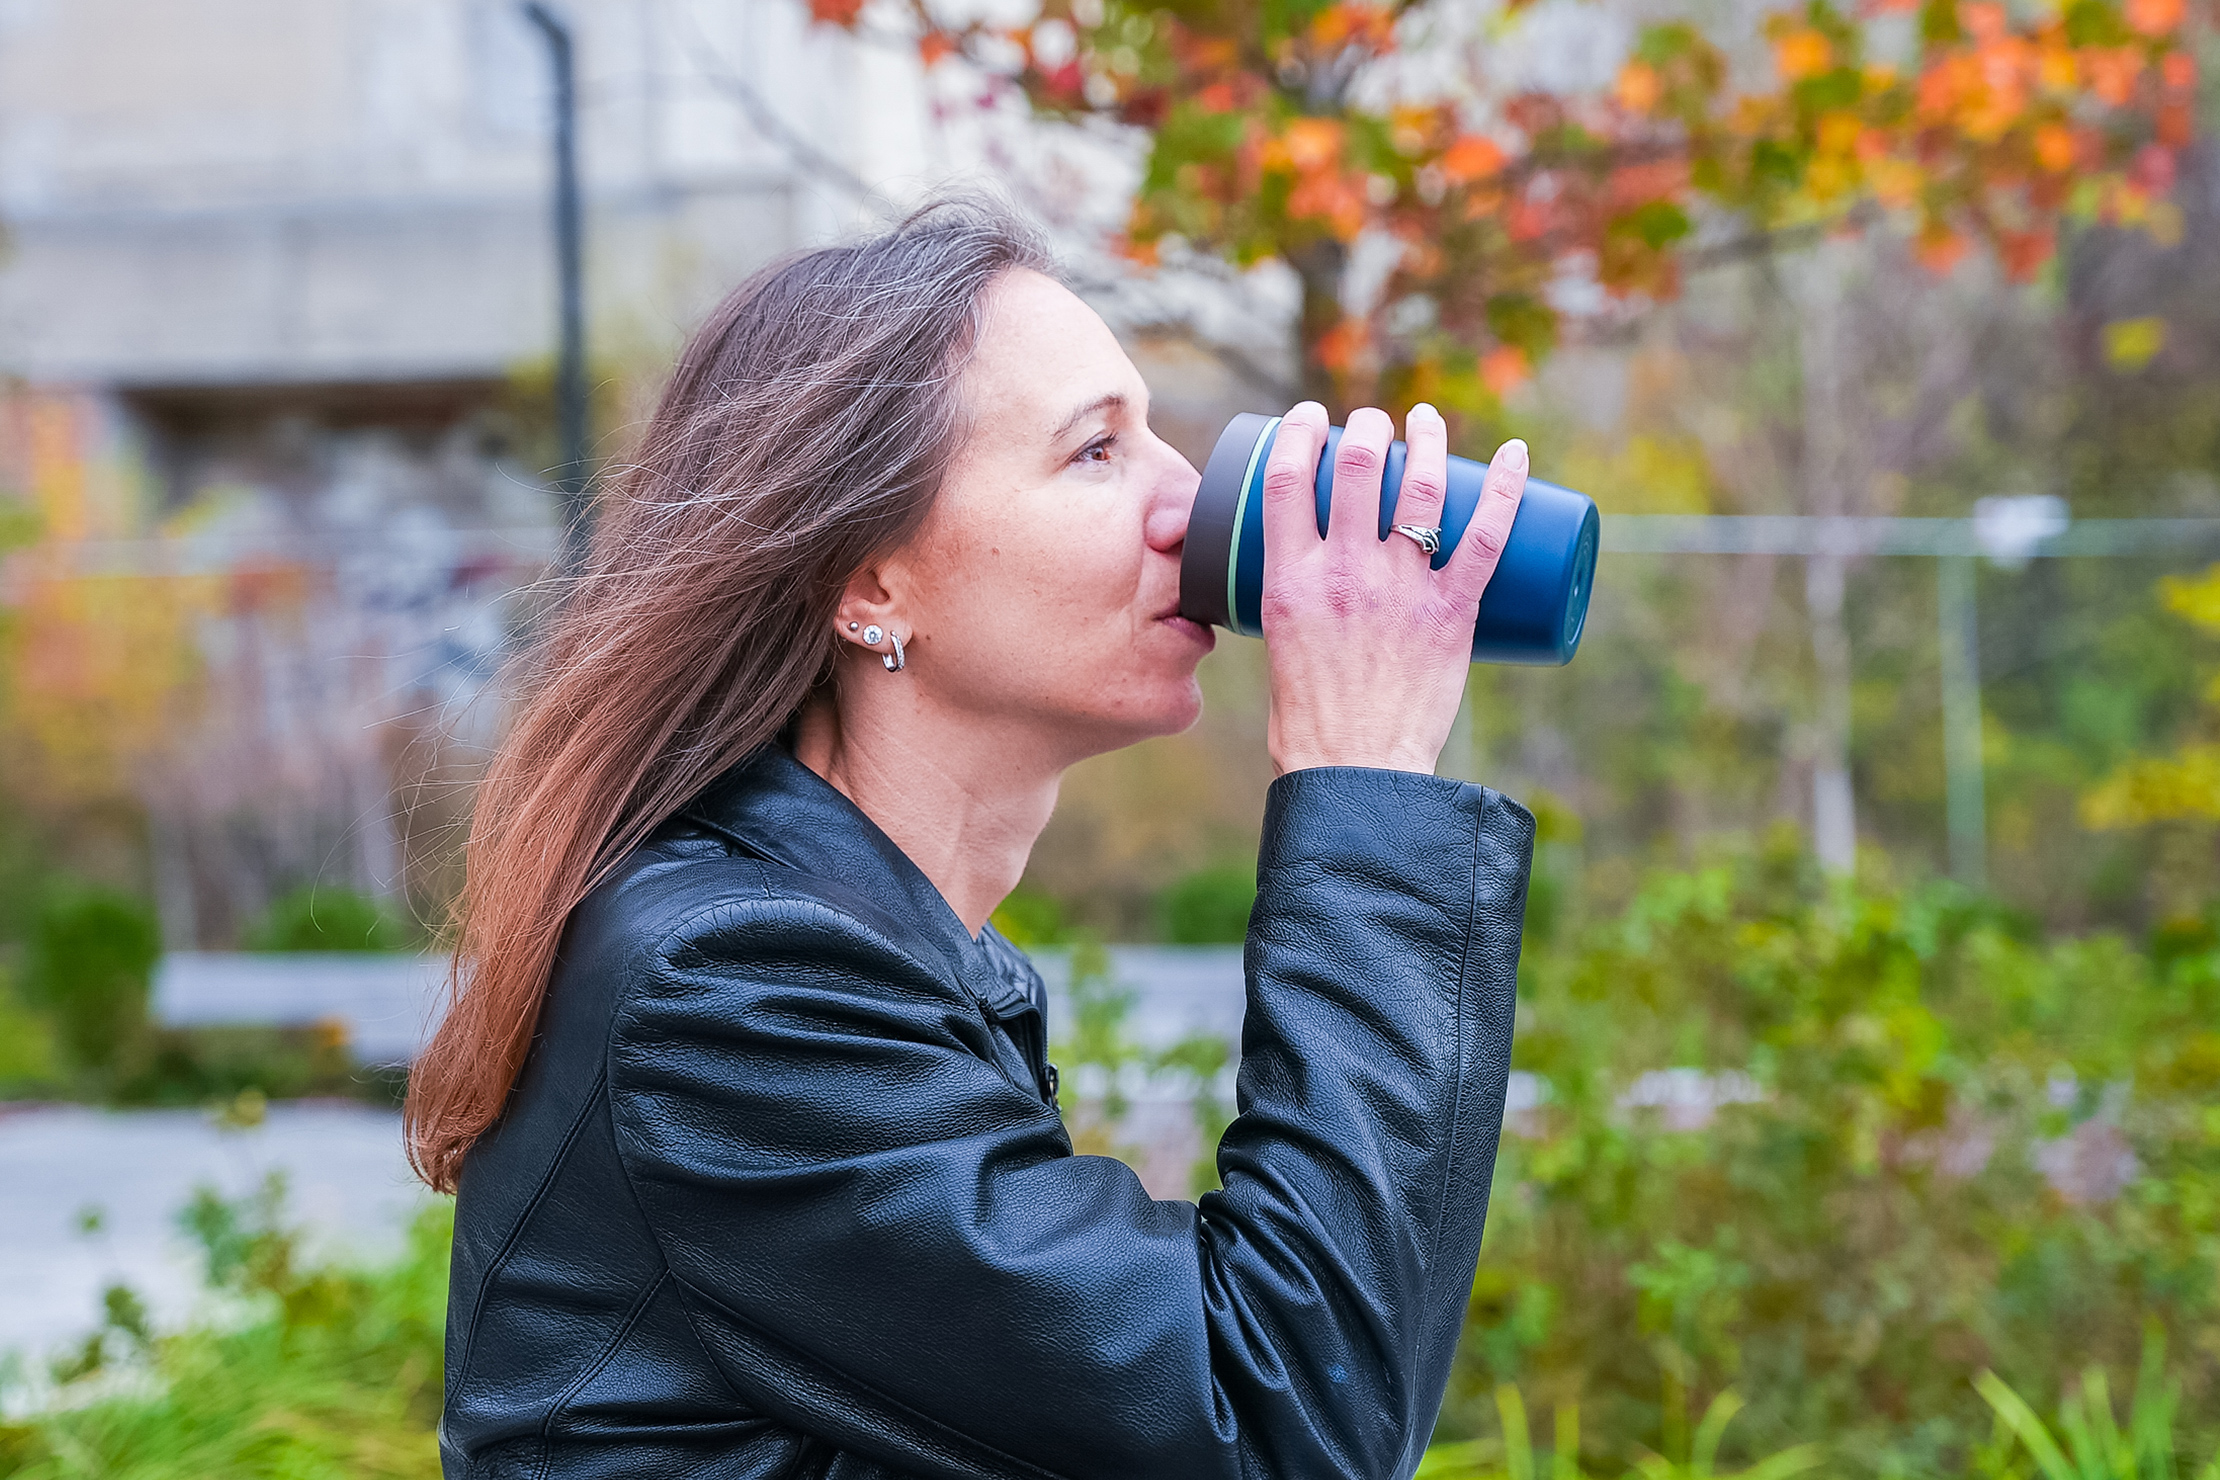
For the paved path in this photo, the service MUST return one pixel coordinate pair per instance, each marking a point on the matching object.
(350, 1187)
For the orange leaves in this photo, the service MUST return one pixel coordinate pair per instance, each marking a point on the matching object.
(1324, 192)
(1999, 118)
(1639, 87)
(1332, 198)
(2024, 252)
(2157, 18)
(2112, 72)
(2054, 148)
(1370, 26)
(1939, 248)
(1504, 369)
(1312, 143)
(1471, 158)
(1337, 349)
(1801, 54)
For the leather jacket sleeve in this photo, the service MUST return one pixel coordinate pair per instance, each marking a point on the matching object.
(888, 1244)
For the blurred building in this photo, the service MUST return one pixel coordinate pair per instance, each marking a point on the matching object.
(277, 306)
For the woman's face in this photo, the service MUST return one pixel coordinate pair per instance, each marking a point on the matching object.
(1044, 586)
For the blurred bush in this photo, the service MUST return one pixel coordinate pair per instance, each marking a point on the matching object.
(202, 1065)
(323, 918)
(322, 1370)
(1840, 1149)
(88, 966)
(1209, 906)
(1029, 918)
(74, 1020)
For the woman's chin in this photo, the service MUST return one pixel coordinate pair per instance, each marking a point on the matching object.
(1168, 706)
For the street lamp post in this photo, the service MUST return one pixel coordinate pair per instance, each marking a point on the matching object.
(573, 477)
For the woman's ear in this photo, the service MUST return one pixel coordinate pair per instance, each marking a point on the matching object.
(866, 605)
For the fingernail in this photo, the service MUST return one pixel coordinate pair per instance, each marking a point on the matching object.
(1512, 455)
(1428, 408)
(1307, 410)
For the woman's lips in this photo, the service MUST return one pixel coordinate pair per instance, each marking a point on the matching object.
(1194, 631)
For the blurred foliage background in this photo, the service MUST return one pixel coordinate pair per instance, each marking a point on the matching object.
(1857, 1170)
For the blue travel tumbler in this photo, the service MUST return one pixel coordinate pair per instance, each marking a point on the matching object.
(1534, 607)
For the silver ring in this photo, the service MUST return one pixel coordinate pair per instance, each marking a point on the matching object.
(1426, 536)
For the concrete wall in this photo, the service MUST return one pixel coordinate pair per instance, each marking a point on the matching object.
(248, 191)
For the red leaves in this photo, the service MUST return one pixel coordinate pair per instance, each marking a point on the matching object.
(2001, 122)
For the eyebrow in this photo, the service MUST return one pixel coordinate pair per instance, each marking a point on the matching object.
(1099, 403)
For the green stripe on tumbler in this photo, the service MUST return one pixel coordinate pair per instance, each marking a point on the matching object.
(1240, 517)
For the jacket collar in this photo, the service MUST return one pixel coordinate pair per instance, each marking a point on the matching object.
(774, 806)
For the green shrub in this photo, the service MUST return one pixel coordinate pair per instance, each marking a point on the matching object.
(89, 963)
(1209, 906)
(1029, 918)
(196, 1066)
(1872, 1225)
(335, 1375)
(322, 918)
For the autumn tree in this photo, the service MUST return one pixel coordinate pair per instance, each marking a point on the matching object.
(1300, 129)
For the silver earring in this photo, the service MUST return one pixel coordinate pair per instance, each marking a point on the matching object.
(851, 626)
(872, 636)
(896, 661)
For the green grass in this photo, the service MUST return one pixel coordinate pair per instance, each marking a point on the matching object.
(330, 1370)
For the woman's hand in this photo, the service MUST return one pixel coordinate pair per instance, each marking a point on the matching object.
(1369, 645)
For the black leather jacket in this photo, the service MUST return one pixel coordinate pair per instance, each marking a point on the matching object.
(783, 1190)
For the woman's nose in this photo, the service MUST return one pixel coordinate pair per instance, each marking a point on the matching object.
(1172, 502)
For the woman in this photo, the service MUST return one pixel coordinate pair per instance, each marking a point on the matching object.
(759, 1164)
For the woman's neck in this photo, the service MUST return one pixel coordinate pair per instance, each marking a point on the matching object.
(962, 801)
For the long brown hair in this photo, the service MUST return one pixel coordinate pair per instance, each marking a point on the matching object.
(806, 430)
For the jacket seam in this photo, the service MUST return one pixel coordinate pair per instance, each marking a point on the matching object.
(923, 1420)
(655, 1235)
(608, 1354)
(516, 1231)
(1457, 1064)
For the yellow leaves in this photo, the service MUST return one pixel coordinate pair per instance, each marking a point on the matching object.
(1411, 129)
(1840, 132)
(2184, 786)
(2130, 344)
(1896, 182)
(1801, 54)
(2198, 600)
(2055, 67)
(1471, 158)
(1649, 475)
(100, 668)
(2179, 788)
(1639, 87)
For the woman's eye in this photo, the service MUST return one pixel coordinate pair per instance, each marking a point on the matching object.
(1097, 451)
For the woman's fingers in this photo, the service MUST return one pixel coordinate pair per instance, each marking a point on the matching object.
(1290, 484)
(1482, 546)
(1358, 463)
(1425, 475)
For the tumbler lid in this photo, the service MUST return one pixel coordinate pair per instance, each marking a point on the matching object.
(1210, 527)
